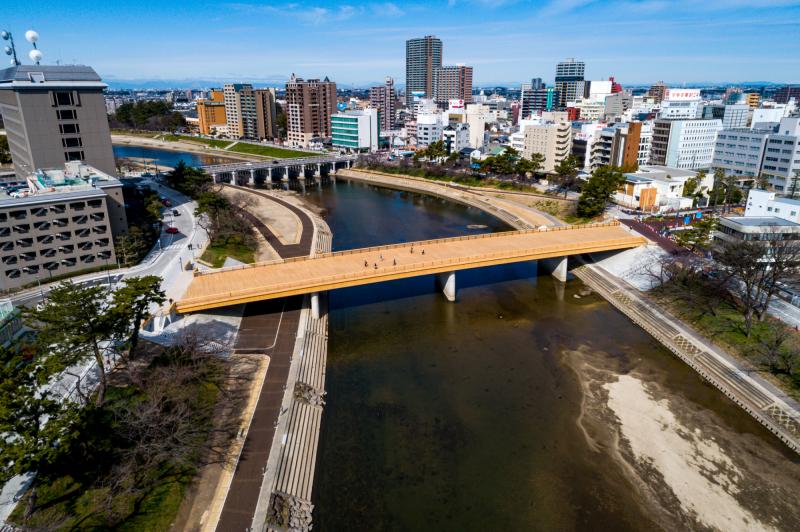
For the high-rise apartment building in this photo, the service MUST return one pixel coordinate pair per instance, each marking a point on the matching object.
(423, 56)
(618, 145)
(681, 104)
(54, 114)
(752, 99)
(240, 110)
(452, 83)
(266, 114)
(658, 91)
(537, 99)
(787, 92)
(383, 98)
(309, 107)
(687, 144)
(211, 112)
(569, 74)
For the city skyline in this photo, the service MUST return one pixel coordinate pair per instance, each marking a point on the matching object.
(507, 42)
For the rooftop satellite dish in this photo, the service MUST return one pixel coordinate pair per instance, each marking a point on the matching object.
(36, 56)
(31, 36)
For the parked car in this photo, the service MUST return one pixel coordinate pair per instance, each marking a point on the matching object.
(176, 212)
(171, 230)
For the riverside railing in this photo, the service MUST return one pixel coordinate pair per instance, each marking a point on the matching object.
(424, 268)
(503, 234)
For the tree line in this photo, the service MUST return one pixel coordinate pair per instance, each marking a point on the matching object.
(154, 115)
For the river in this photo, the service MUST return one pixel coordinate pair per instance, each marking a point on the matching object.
(166, 158)
(520, 406)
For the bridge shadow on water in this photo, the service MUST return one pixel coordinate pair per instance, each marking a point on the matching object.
(426, 284)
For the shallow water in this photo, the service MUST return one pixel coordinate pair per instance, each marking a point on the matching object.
(506, 411)
(166, 157)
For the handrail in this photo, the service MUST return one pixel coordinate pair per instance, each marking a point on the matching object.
(388, 270)
(501, 234)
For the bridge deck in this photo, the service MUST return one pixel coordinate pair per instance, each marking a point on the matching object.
(347, 268)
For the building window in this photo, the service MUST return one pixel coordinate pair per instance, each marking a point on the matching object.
(67, 114)
(73, 155)
(68, 129)
(72, 142)
(63, 99)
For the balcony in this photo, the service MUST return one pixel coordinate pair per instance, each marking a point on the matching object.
(80, 220)
(69, 262)
(13, 274)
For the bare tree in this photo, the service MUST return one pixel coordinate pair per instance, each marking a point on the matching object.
(772, 350)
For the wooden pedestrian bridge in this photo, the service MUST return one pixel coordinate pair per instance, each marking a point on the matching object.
(444, 256)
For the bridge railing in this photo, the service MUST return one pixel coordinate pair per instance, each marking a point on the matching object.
(423, 267)
(420, 243)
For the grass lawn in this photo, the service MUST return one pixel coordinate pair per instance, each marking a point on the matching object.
(269, 151)
(216, 253)
(132, 133)
(726, 329)
(214, 143)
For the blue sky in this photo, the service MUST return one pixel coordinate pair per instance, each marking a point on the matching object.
(506, 41)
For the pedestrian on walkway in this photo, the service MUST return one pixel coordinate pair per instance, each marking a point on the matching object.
(423, 251)
(412, 249)
(366, 264)
(381, 256)
(394, 262)
(376, 265)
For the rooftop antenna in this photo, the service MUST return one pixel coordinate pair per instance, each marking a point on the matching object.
(35, 54)
(10, 50)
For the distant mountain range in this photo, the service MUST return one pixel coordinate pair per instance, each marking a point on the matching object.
(280, 80)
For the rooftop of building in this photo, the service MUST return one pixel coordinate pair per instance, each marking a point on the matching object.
(661, 173)
(760, 221)
(75, 179)
(22, 76)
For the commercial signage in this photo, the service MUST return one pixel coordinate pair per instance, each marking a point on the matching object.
(682, 94)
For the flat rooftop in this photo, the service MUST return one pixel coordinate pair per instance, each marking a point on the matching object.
(760, 221)
(75, 179)
(33, 76)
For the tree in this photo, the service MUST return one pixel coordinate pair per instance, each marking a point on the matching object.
(434, 152)
(697, 236)
(772, 349)
(75, 324)
(131, 303)
(567, 172)
(188, 180)
(531, 166)
(598, 190)
(691, 184)
(716, 192)
(37, 427)
(5, 152)
(762, 182)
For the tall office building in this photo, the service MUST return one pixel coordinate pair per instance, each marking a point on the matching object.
(452, 83)
(423, 56)
(732, 116)
(266, 114)
(309, 107)
(211, 112)
(54, 114)
(538, 99)
(240, 110)
(569, 74)
(383, 98)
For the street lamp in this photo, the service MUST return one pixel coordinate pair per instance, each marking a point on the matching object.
(10, 50)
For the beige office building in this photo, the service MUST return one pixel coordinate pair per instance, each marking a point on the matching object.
(63, 222)
(552, 137)
(309, 107)
(54, 114)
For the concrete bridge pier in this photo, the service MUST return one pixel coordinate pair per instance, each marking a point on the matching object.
(447, 283)
(557, 267)
(316, 306)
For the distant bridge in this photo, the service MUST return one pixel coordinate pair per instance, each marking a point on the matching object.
(266, 171)
(329, 271)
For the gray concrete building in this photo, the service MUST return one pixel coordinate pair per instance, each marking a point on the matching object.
(569, 74)
(54, 114)
(62, 222)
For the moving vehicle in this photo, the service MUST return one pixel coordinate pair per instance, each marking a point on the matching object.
(171, 230)
(176, 212)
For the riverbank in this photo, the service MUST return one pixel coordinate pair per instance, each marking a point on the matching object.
(770, 406)
(184, 146)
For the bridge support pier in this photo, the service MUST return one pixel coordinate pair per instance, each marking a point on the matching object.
(447, 283)
(315, 306)
(557, 267)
